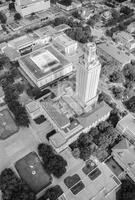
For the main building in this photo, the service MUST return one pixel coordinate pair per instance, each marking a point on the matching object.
(44, 66)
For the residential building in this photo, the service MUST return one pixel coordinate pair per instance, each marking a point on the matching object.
(87, 76)
(2, 96)
(26, 7)
(107, 15)
(65, 44)
(102, 185)
(44, 66)
(125, 39)
(124, 154)
(131, 27)
(126, 126)
(86, 13)
(109, 49)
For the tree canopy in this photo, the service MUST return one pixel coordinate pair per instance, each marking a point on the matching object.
(53, 163)
(13, 188)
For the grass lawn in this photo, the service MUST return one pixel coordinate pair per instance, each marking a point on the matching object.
(77, 188)
(32, 172)
(70, 181)
(94, 174)
(7, 124)
(90, 165)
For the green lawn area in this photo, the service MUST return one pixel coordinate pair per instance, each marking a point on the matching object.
(7, 124)
(90, 165)
(70, 181)
(77, 188)
(94, 174)
(32, 172)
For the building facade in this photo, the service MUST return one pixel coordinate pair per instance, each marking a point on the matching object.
(26, 7)
(88, 73)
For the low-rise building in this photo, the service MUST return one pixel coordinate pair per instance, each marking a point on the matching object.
(121, 57)
(124, 154)
(61, 28)
(65, 44)
(45, 34)
(26, 7)
(100, 184)
(74, 5)
(44, 66)
(125, 39)
(86, 13)
(131, 27)
(84, 123)
(92, 119)
(126, 126)
(107, 15)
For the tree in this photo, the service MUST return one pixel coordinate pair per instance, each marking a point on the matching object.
(116, 77)
(104, 97)
(126, 10)
(52, 193)
(114, 117)
(85, 145)
(3, 18)
(66, 2)
(11, 6)
(17, 16)
(129, 72)
(127, 190)
(117, 92)
(13, 188)
(130, 104)
(53, 163)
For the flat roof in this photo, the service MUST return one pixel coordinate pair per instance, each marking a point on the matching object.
(21, 41)
(31, 170)
(27, 2)
(36, 62)
(62, 27)
(57, 140)
(127, 123)
(88, 119)
(11, 53)
(64, 40)
(45, 31)
(33, 106)
(121, 56)
(7, 124)
(125, 35)
(59, 118)
(95, 189)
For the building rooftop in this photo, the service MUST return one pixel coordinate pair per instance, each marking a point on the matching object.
(28, 2)
(62, 27)
(45, 31)
(100, 188)
(21, 41)
(59, 118)
(64, 40)
(125, 151)
(57, 140)
(11, 53)
(127, 124)
(125, 35)
(44, 61)
(122, 57)
(88, 119)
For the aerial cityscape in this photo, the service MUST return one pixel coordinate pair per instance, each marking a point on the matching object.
(67, 99)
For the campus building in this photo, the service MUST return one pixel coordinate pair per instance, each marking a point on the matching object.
(110, 51)
(26, 7)
(65, 44)
(87, 77)
(44, 66)
(126, 39)
(126, 126)
(124, 154)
